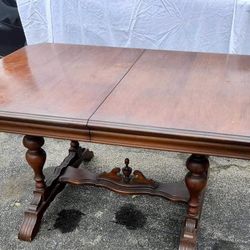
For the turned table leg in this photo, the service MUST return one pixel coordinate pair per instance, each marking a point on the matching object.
(45, 190)
(196, 181)
(36, 158)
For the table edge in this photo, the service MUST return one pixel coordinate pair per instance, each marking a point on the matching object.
(172, 140)
(153, 130)
(57, 130)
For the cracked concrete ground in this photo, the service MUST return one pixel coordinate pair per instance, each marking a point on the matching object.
(94, 218)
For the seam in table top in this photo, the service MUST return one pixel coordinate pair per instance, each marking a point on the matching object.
(101, 103)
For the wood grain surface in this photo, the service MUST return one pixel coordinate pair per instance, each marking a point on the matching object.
(180, 101)
(204, 95)
(60, 83)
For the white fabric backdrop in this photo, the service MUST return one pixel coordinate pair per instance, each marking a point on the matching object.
(190, 25)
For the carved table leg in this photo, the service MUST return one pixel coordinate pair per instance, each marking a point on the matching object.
(35, 157)
(45, 191)
(196, 181)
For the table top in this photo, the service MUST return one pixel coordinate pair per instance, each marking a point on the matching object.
(50, 82)
(183, 101)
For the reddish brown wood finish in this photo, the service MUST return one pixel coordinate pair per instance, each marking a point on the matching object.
(134, 180)
(45, 192)
(36, 158)
(65, 84)
(171, 191)
(194, 92)
(175, 140)
(196, 181)
(189, 102)
(180, 101)
(162, 100)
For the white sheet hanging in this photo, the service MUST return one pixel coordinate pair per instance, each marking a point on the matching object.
(189, 25)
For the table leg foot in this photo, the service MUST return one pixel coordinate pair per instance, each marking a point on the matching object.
(29, 227)
(196, 181)
(46, 190)
(188, 235)
(34, 214)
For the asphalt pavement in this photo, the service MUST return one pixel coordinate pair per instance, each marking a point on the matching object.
(95, 218)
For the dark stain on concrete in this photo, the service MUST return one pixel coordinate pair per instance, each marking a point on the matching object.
(224, 245)
(130, 217)
(68, 220)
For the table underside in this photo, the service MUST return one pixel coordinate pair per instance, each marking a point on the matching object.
(124, 181)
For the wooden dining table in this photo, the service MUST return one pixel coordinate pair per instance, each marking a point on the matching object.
(196, 103)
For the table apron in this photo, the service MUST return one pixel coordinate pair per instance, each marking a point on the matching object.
(177, 144)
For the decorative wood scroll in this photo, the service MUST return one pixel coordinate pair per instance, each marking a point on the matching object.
(125, 177)
(121, 181)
